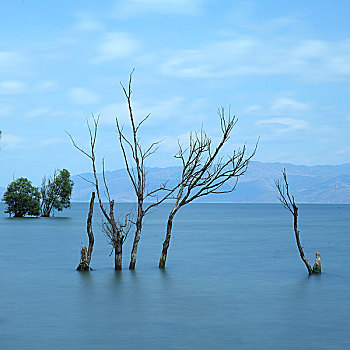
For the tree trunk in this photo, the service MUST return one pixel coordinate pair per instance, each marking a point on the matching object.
(135, 245)
(118, 254)
(89, 228)
(137, 237)
(317, 266)
(83, 264)
(45, 214)
(166, 242)
(300, 248)
(85, 254)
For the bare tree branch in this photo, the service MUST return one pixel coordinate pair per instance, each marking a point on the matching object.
(137, 172)
(116, 231)
(205, 171)
(288, 202)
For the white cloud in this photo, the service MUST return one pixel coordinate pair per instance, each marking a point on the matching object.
(38, 112)
(12, 142)
(284, 105)
(287, 124)
(161, 111)
(313, 59)
(82, 96)
(117, 45)
(12, 87)
(134, 8)
(252, 108)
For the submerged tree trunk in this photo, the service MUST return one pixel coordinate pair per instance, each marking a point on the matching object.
(86, 253)
(135, 245)
(118, 255)
(166, 242)
(89, 228)
(288, 202)
(83, 264)
(317, 266)
(300, 248)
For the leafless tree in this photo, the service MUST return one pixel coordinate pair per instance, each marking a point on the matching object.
(288, 202)
(205, 171)
(123, 229)
(85, 254)
(134, 157)
(117, 228)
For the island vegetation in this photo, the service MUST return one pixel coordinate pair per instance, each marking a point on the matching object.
(22, 198)
(56, 192)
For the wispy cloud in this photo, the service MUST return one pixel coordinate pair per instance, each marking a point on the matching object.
(286, 105)
(134, 8)
(12, 142)
(285, 124)
(82, 96)
(12, 87)
(116, 45)
(313, 59)
(175, 109)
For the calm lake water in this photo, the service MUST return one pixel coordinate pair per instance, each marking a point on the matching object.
(234, 280)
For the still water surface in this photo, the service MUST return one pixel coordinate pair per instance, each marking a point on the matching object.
(234, 280)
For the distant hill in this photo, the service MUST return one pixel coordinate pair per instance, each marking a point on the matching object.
(309, 184)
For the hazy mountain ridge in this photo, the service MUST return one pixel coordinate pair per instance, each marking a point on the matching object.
(309, 184)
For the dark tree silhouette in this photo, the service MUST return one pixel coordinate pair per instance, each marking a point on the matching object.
(116, 227)
(134, 157)
(205, 171)
(288, 202)
(86, 253)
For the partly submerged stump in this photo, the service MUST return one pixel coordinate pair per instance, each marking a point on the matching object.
(83, 264)
(317, 266)
(85, 254)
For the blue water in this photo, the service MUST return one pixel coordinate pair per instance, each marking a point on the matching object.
(234, 280)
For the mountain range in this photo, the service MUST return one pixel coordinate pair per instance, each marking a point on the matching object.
(308, 184)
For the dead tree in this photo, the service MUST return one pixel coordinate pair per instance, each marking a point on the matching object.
(85, 254)
(114, 237)
(134, 157)
(288, 202)
(115, 226)
(205, 171)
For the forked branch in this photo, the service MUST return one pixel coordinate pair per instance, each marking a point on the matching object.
(288, 202)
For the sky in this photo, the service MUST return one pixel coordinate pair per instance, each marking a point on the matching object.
(283, 69)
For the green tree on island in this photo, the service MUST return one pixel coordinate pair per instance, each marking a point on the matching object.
(56, 192)
(22, 198)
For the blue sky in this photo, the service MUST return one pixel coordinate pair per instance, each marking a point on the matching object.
(283, 67)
